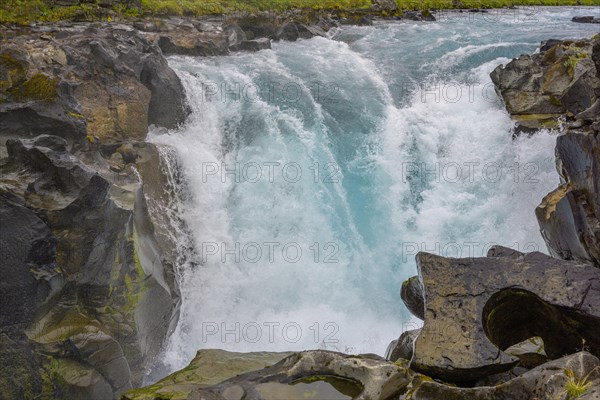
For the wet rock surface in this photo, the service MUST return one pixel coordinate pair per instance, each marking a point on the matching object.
(208, 368)
(563, 80)
(329, 375)
(325, 374)
(81, 331)
(548, 381)
(475, 308)
(569, 216)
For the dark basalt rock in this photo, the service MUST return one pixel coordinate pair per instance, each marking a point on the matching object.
(235, 36)
(424, 15)
(548, 44)
(259, 26)
(475, 308)
(411, 294)
(563, 79)
(79, 80)
(28, 265)
(255, 45)
(96, 304)
(588, 19)
(55, 171)
(328, 375)
(538, 88)
(569, 217)
(193, 44)
(289, 31)
(548, 381)
(403, 346)
(308, 31)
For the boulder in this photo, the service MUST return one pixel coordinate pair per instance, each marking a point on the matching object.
(259, 26)
(530, 352)
(235, 36)
(288, 31)
(255, 45)
(569, 216)
(403, 346)
(109, 83)
(561, 79)
(548, 44)
(476, 308)
(193, 43)
(411, 294)
(587, 19)
(309, 31)
(424, 15)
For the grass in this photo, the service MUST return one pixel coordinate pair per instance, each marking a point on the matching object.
(572, 61)
(24, 12)
(576, 386)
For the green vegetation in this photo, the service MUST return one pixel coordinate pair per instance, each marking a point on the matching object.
(24, 12)
(555, 101)
(571, 62)
(576, 386)
(38, 87)
(453, 4)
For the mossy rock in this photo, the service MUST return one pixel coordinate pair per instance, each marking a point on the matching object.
(39, 87)
(12, 71)
(209, 367)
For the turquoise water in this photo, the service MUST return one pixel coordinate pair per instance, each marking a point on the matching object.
(344, 156)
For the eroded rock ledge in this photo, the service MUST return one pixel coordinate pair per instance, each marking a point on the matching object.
(86, 305)
(90, 292)
(498, 327)
(329, 375)
(563, 80)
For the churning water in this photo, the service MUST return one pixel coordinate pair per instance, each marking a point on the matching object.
(315, 172)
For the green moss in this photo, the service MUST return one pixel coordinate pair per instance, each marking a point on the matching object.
(347, 387)
(555, 101)
(24, 12)
(38, 87)
(14, 71)
(76, 115)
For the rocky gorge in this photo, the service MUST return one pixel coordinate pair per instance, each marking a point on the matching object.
(90, 250)
(494, 327)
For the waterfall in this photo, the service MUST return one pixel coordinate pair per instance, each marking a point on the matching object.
(314, 179)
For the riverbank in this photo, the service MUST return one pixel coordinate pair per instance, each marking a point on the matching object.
(25, 12)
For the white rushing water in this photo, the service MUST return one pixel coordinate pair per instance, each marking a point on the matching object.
(316, 170)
